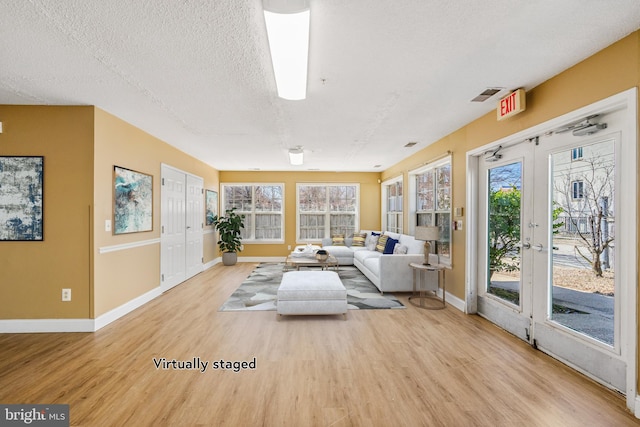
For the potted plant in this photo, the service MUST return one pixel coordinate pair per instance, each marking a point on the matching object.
(229, 241)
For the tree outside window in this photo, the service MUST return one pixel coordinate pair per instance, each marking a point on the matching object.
(394, 206)
(327, 209)
(433, 203)
(262, 205)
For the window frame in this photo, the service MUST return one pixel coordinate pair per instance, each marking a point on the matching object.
(435, 212)
(385, 188)
(327, 209)
(577, 189)
(577, 154)
(253, 212)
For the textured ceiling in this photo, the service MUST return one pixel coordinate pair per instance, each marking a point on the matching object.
(197, 73)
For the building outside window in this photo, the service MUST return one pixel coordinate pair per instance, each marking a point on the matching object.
(577, 189)
(262, 206)
(325, 210)
(576, 154)
(431, 190)
(392, 194)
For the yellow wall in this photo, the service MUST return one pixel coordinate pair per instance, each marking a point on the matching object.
(32, 274)
(80, 146)
(369, 201)
(611, 71)
(123, 275)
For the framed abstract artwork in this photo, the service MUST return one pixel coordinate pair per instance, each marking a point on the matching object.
(211, 205)
(132, 201)
(21, 198)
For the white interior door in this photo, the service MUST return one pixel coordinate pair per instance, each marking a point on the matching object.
(194, 225)
(173, 220)
(556, 211)
(182, 226)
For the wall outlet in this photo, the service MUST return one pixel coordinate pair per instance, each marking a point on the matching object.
(107, 225)
(289, 247)
(66, 294)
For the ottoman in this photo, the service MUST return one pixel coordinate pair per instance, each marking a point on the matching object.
(311, 292)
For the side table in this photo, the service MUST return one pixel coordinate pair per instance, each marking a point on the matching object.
(421, 286)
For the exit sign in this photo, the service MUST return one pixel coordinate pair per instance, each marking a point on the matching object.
(511, 104)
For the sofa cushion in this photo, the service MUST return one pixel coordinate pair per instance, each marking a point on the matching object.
(393, 235)
(388, 247)
(359, 239)
(339, 251)
(362, 255)
(382, 242)
(371, 241)
(337, 240)
(400, 249)
(373, 265)
(413, 246)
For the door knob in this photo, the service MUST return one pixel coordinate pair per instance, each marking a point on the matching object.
(537, 247)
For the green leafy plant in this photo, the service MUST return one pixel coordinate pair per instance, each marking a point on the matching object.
(504, 229)
(229, 226)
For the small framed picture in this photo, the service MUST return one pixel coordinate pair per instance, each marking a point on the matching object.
(211, 206)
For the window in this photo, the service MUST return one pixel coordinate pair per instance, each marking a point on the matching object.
(262, 206)
(576, 154)
(431, 190)
(577, 189)
(392, 195)
(327, 209)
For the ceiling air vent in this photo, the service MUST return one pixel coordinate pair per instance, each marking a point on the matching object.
(488, 93)
(410, 144)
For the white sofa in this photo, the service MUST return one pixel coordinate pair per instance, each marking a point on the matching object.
(389, 272)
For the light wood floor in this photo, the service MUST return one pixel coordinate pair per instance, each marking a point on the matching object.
(408, 367)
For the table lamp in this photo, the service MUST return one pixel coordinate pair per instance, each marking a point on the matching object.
(428, 234)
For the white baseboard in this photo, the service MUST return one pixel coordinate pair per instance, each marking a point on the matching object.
(30, 326)
(453, 300)
(126, 308)
(212, 263)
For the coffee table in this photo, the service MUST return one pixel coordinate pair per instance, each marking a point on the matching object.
(295, 262)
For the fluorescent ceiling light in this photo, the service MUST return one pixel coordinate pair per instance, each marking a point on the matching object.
(289, 43)
(296, 156)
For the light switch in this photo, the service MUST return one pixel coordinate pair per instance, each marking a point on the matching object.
(107, 225)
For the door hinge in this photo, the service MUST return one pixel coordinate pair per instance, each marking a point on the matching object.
(162, 181)
(162, 277)
(163, 229)
(203, 260)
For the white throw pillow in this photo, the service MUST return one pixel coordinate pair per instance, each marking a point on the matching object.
(400, 249)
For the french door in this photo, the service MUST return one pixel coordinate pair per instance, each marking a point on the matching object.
(550, 245)
(182, 227)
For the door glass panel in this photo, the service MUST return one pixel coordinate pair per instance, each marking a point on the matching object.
(504, 219)
(583, 236)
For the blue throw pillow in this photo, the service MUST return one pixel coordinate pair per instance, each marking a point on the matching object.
(388, 248)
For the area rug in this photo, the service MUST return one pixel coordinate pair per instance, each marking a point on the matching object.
(259, 290)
